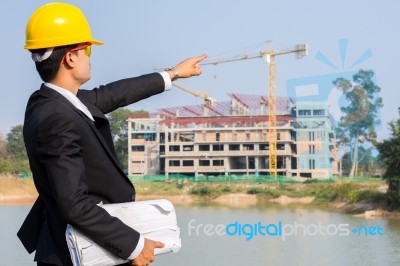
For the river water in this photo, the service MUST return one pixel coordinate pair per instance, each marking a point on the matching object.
(267, 235)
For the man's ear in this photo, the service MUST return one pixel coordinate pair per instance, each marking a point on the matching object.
(69, 60)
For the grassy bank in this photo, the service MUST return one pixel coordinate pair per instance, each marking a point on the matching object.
(16, 190)
(344, 191)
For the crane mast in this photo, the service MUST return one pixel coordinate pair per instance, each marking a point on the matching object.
(300, 51)
(272, 129)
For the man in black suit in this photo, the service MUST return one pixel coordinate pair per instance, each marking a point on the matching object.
(69, 144)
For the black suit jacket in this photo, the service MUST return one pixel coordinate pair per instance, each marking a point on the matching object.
(74, 167)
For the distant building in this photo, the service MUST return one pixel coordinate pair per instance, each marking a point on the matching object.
(231, 138)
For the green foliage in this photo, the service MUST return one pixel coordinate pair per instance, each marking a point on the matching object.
(13, 157)
(390, 154)
(344, 189)
(368, 194)
(268, 192)
(200, 191)
(119, 131)
(3, 148)
(227, 189)
(5, 166)
(15, 143)
(21, 166)
(368, 164)
(331, 192)
(254, 190)
(323, 193)
(205, 191)
(360, 115)
(5, 162)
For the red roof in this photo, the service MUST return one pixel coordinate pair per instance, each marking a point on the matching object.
(223, 120)
(256, 105)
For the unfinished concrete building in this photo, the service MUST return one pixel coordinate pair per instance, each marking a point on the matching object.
(230, 138)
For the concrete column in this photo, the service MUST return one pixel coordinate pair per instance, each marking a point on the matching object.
(257, 164)
(288, 163)
(129, 147)
(196, 167)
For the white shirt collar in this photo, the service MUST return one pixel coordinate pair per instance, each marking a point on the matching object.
(71, 98)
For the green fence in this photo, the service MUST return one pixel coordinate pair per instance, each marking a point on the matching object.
(222, 178)
(245, 178)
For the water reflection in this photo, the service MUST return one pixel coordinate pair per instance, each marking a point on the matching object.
(12, 251)
(205, 247)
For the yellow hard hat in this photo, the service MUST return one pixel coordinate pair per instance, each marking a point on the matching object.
(57, 24)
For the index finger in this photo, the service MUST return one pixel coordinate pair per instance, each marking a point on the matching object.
(200, 58)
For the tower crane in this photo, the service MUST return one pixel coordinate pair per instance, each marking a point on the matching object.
(268, 56)
(208, 101)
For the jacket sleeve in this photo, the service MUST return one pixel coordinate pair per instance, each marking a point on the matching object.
(124, 92)
(60, 151)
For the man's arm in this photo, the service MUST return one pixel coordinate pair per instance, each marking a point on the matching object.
(127, 91)
(123, 92)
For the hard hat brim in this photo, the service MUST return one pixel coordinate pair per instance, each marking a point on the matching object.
(96, 42)
(33, 46)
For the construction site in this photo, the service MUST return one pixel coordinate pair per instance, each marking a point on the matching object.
(261, 135)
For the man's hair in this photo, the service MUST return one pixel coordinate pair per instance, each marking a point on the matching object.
(48, 68)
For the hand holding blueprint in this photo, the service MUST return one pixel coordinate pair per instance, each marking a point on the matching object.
(154, 219)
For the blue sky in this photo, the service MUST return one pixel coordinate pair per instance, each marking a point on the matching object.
(142, 34)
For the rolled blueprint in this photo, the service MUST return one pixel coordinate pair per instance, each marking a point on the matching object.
(153, 219)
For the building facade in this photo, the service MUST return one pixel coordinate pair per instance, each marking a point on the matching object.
(230, 138)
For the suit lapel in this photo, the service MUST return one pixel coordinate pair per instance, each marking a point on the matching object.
(108, 147)
(100, 137)
(102, 124)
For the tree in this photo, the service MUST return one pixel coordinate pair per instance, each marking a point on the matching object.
(5, 162)
(16, 150)
(119, 131)
(5, 166)
(3, 147)
(357, 125)
(390, 155)
(16, 146)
